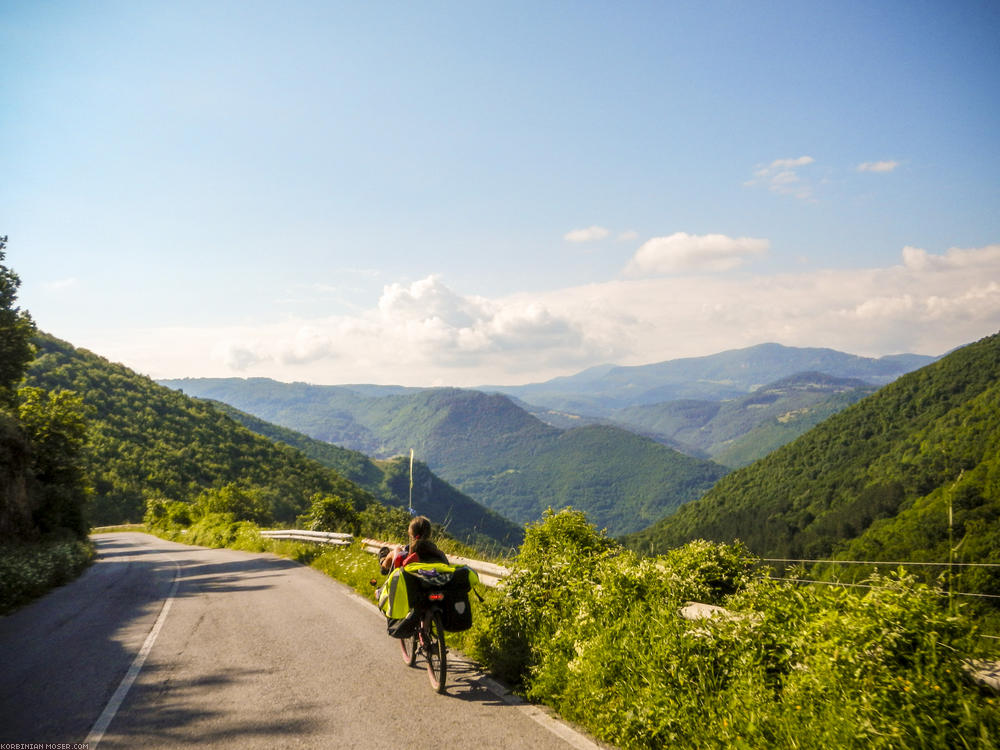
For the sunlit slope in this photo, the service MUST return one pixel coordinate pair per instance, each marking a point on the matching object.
(145, 441)
(488, 447)
(928, 437)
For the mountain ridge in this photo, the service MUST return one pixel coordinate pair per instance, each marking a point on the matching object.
(489, 448)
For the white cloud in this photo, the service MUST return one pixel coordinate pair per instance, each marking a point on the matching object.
(782, 176)
(877, 166)
(987, 258)
(61, 285)
(238, 356)
(628, 235)
(590, 234)
(682, 252)
(425, 333)
(783, 164)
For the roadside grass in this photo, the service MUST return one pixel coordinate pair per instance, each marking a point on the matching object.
(27, 571)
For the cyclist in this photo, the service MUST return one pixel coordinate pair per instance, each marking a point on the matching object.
(420, 548)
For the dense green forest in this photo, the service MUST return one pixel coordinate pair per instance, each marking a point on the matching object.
(907, 473)
(389, 482)
(44, 487)
(145, 441)
(487, 446)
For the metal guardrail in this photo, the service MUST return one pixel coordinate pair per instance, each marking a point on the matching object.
(300, 535)
(490, 574)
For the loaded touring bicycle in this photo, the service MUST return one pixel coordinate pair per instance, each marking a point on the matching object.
(422, 602)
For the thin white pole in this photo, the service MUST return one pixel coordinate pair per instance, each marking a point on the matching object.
(411, 481)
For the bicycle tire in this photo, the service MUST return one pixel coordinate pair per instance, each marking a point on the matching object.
(435, 650)
(409, 648)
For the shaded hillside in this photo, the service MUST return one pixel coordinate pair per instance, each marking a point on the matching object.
(727, 375)
(488, 447)
(621, 480)
(884, 466)
(742, 430)
(145, 441)
(389, 482)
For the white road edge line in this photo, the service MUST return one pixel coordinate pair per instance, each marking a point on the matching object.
(557, 727)
(101, 725)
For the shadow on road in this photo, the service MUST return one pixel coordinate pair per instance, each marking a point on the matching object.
(162, 714)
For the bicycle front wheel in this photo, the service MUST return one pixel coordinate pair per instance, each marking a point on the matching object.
(434, 650)
(409, 648)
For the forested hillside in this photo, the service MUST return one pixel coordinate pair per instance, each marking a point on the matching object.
(389, 482)
(146, 441)
(488, 447)
(878, 479)
(740, 431)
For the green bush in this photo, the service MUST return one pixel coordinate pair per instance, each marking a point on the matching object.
(29, 570)
(595, 632)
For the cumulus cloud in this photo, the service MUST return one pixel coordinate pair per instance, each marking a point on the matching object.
(877, 166)
(238, 356)
(426, 333)
(590, 234)
(682, 252)
(309, 344)
(782, 176)
(955, 258)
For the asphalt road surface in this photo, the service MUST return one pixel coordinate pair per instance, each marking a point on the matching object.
(167, 645)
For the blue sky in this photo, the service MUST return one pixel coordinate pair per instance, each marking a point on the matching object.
(468, 193)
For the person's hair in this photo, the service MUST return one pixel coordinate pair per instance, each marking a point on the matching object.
(420, 528)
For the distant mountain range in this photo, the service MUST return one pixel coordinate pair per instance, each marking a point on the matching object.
(600, 391)
(485, 445)
(520, 454)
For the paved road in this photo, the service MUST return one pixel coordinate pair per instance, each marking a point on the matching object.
(250, 651)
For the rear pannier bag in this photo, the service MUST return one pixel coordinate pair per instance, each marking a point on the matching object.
(419, 580)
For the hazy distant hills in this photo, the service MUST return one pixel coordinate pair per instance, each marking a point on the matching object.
(599, 391)
(485, 445)
(583, 440)
(739, 431)
(878, 481)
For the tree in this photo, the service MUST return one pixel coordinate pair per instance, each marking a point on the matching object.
(57, 428)
(16, 330)
(331, 513)
(243, 503)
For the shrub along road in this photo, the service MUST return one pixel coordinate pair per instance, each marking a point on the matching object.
(240, 649)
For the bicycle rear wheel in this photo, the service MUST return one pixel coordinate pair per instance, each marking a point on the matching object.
(434, 650)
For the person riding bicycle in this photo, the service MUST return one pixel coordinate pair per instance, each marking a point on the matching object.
(420, 548)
